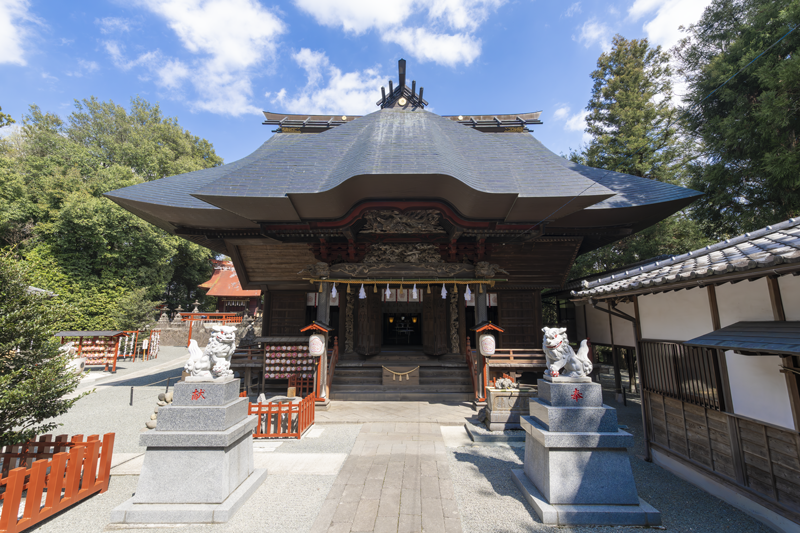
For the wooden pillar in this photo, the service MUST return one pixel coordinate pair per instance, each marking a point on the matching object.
(615, 359)
(324, 317)
(779, 315)
(538, 319)
(481, 314)
(462, 322)
(265, 314)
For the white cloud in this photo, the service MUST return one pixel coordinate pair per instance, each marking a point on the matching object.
(84, 67)
(446, 38)
(353, 93)
(576, 122)
(444, 49)
(228, 39)
(113, 25)
(169, 73)
(561, 113)
(593, 33)
(667, 17)
(48, 76)
(574, 9)
(14, 28)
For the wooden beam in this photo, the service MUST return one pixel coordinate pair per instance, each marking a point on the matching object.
(713, 307)
(775, 299)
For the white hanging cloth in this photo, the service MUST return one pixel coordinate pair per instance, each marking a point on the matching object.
(333, 291)
(444, 292)
(468, 294)
(388, 292)
(414, 293)
(362, 294)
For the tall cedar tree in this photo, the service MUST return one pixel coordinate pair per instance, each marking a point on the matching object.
(748, 131)
(34, 378)
(634, 126)
(82, 246)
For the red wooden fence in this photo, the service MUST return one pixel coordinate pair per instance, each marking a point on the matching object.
(63, 480)
(283, 420)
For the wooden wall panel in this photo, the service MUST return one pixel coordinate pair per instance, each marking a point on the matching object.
(276, 262)
(287, 313)
(543, 263)
(519, 314)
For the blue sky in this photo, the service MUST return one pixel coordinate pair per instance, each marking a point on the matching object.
(215, 64)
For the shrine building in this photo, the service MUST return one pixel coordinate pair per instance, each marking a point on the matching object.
(402, 230)
(225, 286)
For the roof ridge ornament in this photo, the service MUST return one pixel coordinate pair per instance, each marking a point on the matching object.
(401, 96)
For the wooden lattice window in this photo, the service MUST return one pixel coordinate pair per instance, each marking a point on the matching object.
(687, 373)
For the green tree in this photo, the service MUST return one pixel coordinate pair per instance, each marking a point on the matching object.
(634, 127)
(81, 245)
(748, 131)
(5, 120)
(631, 117)
(34, 376)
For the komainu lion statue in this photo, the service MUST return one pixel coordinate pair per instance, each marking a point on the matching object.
(215, 362)
(561, 358)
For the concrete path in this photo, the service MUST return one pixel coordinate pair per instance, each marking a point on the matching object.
(396, 479)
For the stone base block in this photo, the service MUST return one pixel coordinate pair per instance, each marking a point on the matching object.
(642, 514)
(188, 513)
(571, 394)
(570, 419)
(322, 405)
(479, 433)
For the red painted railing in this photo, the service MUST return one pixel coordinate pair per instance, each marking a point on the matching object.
(63, 480)
(283, 420)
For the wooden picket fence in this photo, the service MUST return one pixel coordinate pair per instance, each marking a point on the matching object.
(41, 469)
(283, 420)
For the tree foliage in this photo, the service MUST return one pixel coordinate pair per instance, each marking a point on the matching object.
(99, 257)
(34, 377)
(635, 130)
(631, 117)
(5, 120)
(748, 130)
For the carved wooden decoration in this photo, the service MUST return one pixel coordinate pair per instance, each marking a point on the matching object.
(404, 253)
(454, 338)
(392, 221)
(348, 323)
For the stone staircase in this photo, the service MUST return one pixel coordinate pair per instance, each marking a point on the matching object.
(441, 379)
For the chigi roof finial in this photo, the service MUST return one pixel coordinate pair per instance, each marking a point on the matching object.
(401, 96)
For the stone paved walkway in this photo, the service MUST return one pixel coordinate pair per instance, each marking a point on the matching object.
(396, 479)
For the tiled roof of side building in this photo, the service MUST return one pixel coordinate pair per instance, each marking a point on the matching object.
(774, 245)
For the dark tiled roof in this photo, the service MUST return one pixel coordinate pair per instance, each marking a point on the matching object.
(781, 338)
(773, 245)
(629, 190)
(396, 141)
(175, 191)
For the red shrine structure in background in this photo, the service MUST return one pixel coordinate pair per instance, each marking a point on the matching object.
(231, 298)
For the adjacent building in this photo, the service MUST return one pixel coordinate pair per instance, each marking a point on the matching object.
(717, 332)
(225, 286)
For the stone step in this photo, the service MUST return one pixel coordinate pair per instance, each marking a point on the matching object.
(401, 396)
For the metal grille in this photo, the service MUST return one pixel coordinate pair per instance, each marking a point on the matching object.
(687, 373)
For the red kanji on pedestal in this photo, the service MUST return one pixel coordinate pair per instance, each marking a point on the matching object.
(198, 394)
(576, 395)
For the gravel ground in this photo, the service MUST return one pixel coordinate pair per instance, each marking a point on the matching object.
(490, 502)
(282, 504)
(108, 408)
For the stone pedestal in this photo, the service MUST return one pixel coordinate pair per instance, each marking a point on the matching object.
(577, 470)
(198, 467)
(504, 407)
